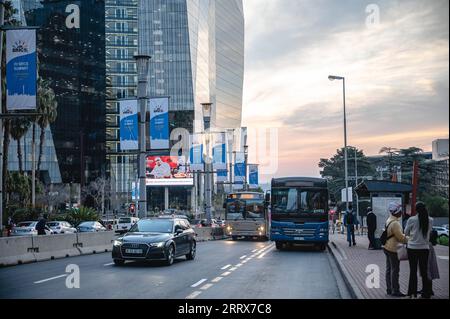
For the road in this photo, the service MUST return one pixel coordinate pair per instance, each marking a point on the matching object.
(221, 270)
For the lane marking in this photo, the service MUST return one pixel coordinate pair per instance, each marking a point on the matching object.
(254, 250)
(225, 267)
(52, 278)
(194, 295)
(110, 264)
(217, 279)
(225, 274)
(198, 283)
(443, 257)
(264, 253)
(206, 287)
(239, 265)
(243, 257)
(233, 269)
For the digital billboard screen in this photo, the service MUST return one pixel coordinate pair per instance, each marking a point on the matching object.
(168, 171)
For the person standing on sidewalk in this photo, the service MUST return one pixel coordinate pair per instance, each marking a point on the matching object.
(349, 222)
(395, 238)
(419, 228)
(371, 227)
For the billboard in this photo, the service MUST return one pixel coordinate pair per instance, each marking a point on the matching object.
(168, 171)
(129, 131)
(21, 69)
(159, 123)
(219, 151)
(239, 168)
(253, 178)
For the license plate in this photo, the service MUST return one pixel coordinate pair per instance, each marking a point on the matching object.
(134, 251)
(299, 238)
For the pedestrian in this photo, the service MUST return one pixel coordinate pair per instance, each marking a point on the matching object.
(10, 226)
(40, 226)
(395, 237)
(371, 228)
(350, 222)
(419, 229)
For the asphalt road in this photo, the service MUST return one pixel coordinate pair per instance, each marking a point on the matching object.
(221, 270)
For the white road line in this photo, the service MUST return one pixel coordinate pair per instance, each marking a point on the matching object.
(443, 257)
(225, 267)
(52, 278)
(207, 286)
(254, 250)
(239, 265)
(233, 269)
(194, 295)
(264, 253)
(198, 283)
(217, 279)
(110, 264)
(244, 261)
(225, 274)
(243, 257)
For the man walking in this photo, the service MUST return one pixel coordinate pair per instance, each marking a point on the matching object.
(371, 227)
(350, 222)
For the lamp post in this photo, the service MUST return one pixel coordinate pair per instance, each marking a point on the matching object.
(207, 111)
(2, 16)
(340, 78)
(143, 65)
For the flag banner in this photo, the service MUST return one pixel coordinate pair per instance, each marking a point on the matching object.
(222, 175)
(21, 69)
(196, 153)
(220, 151)
(253, 178)
(159, 123)
(239, 168)
(129, 131)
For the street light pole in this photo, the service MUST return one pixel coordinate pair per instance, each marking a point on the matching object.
(142, 62)
(207, 111)
(339, 78)
(2, 18)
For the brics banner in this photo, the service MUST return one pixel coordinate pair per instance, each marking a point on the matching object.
(159, 123)
(21, 69)
(253, 178)
(129, 132)
(239, 169)
(219, 151)
(196, 158)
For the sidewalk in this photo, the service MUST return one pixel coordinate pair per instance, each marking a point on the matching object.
(354, 260)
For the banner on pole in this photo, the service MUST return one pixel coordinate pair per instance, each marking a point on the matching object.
(239, 168)
(222, 175)
(159, 123)
(21, 69)
(253, 177)
(196, 152)
(220, 151)
(129, 131)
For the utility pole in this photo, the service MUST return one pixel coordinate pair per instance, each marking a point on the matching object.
(207, 112)
(33, 167)
(2, 20)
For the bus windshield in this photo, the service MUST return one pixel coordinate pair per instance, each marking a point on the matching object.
(245, 209)
(297, 200)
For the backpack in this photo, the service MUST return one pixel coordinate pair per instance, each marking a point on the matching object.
(384, 236)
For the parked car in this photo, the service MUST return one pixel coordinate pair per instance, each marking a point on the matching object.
(28, 229)
(125, 223)
(111, 224)
(61, 227)
(441, 231)
(163, 238)
(90, 227)
(445, 226)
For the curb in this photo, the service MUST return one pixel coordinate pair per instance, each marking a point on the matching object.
(355, 292)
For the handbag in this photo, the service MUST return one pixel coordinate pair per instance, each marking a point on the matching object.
(402, 253)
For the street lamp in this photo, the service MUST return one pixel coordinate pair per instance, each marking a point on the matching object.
(143, 67)
(207, 111)
(340, 78)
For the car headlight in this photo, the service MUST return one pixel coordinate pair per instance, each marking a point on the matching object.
(158, 245)
(117, 243)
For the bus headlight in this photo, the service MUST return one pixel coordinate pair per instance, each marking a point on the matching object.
(261, 228)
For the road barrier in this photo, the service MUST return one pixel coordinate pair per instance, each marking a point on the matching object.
(27, 249)
(16, 250)
(208, 233)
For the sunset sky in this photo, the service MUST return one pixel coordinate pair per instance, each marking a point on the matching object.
(396, 72)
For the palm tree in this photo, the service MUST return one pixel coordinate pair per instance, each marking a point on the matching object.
(47, 109)
(19, 127)
(390, 151)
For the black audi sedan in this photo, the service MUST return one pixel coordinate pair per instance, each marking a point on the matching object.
(164, 239)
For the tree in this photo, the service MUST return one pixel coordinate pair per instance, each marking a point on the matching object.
(97, 192)
(19, 127)
(76, 216)
(391, 152)
(47, 107)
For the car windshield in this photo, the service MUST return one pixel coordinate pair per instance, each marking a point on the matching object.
(87, 224)
(152, 226)
(125, 220)
(294, 200)
(26, 224)
(245, 209)
(53, 224)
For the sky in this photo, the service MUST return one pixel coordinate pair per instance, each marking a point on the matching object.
(396, 65)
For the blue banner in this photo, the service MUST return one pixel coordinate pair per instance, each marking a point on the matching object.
(239, 169)
(253, 178)
(222, 175)
(21, 69)
(129, 131)
(220, 152)
(196, 153)
(159, 123)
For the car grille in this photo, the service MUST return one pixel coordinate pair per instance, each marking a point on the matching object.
(144, 248)
(299, 232)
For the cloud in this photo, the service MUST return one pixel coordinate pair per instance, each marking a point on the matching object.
(396, 75)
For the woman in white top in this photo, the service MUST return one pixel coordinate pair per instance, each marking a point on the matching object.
(418, 230)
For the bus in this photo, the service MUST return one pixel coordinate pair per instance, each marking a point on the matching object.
(246, 216)
(299, 212)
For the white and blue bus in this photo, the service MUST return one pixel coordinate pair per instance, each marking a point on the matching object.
(299, 212)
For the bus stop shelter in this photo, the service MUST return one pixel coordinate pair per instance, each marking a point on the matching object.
(381, 194)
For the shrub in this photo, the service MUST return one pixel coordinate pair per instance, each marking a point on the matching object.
(77, 216)
(443, 240)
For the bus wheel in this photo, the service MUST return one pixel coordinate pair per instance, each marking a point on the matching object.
(233, 238)
(279, 245)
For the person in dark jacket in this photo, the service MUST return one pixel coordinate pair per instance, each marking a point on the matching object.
(40, 226)
(350, 221)
(371, 227)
